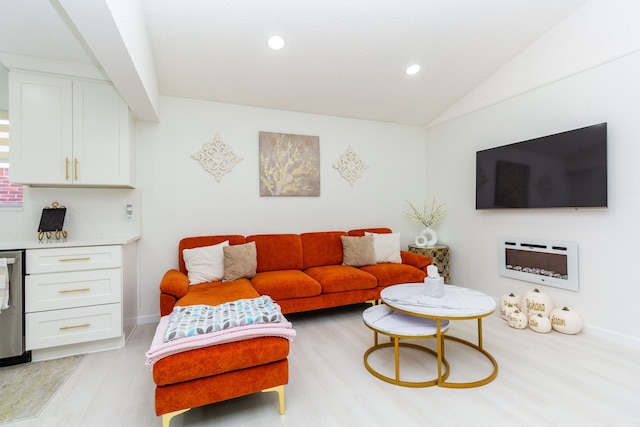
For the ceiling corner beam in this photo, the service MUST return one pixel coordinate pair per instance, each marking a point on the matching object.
(115, 32)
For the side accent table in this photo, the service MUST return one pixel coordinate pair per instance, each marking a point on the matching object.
(439, 255)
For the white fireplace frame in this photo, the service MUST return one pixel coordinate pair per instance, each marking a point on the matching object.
(569, 249)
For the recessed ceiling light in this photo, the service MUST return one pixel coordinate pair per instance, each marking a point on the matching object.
(275, 42)
(412, 69)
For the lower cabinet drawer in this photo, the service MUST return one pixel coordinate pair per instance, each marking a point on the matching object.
(46, 292)
(71, 326)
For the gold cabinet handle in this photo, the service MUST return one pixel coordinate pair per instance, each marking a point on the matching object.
(66, 168)
(75, 168)
(68, 291)
(83, 325)
(74, 259)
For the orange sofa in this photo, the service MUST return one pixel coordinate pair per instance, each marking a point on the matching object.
(301, 272)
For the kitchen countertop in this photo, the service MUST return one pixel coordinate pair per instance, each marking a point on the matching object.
(70, 242)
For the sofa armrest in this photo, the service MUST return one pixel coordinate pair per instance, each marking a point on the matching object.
(417, 260)
(173, 286)
(174, 283)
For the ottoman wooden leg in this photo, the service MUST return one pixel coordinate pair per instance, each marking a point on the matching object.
(280, 390)
(166, 418)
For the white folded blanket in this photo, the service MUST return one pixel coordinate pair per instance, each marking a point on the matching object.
(160, 349)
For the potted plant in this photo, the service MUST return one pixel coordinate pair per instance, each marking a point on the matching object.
(428, 218)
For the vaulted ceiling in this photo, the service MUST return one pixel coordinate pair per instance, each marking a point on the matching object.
(342, 58)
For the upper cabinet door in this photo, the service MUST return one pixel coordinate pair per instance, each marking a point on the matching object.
(68, 132)
(100, 135)
(40, 129)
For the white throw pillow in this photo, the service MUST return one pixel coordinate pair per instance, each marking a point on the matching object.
(205, 264)
(386, 247)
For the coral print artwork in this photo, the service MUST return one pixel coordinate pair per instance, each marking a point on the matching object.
(289, 164)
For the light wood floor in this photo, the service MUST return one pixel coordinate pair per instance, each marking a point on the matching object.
(544, 380)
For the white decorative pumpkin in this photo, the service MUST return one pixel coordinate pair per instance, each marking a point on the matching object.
(566, 321)
(518, 320)
(506, 310)
(539, 323)
(510, 300)
(534, 302)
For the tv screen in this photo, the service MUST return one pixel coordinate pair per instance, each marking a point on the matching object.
(564, 170)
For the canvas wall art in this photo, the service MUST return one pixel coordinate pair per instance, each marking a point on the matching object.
(289, 164)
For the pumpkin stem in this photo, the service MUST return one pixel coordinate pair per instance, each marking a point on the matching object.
(566, 309)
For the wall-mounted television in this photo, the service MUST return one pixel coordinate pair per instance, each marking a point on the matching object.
(563, 170)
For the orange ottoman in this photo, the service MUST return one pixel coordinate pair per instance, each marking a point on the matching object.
(219, 372)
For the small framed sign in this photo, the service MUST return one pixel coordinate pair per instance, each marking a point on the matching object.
(52, 221)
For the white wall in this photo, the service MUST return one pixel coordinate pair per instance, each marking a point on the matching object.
(607, 238)
(180, 199)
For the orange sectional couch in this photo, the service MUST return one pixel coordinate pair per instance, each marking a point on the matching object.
(301, 272)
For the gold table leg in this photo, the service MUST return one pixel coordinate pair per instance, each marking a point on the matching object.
(479, 348)
(396, 344)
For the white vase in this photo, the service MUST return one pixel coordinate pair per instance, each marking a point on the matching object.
(427, 237)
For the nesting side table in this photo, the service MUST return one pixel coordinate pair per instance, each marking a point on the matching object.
(440, 256)
(384, 320)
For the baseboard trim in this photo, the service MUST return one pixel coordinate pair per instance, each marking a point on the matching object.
(612, 336)
(79, 348)
(151, 318)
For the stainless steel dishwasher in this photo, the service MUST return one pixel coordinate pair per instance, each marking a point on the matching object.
(12, 339)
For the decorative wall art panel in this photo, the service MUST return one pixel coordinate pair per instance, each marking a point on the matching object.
(289, 164)
(350, 166)
(217, 158)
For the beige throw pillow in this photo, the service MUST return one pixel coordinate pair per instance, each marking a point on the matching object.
(204, 264)
(240, 261)
(387, 247)
(358, 251)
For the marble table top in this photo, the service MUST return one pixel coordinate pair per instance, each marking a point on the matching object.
(384, 319)
(457, 302)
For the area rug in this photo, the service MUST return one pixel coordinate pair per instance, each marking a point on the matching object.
(27, 388)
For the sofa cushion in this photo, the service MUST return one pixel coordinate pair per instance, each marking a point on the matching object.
(199, 241)
(285, 284)
(218, 293)
(205, 264)
(361, 231)
(386, 247)
(358, 251)
(339, 278)
(239, 261)
(278, 251)
(321, 248)
(393, 274)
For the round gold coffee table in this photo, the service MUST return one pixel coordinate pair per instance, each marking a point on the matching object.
(458, 303)
(396, 325)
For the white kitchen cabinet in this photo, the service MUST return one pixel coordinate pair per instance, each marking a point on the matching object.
(73, 295)
(68, 132)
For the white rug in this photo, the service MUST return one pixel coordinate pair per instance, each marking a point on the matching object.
(27, 388)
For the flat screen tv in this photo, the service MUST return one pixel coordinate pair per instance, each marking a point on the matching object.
(564, 170)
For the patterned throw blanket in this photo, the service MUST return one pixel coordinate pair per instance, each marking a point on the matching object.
(160, 349)
(193, 320)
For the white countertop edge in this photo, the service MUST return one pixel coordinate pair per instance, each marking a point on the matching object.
(66, 243)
